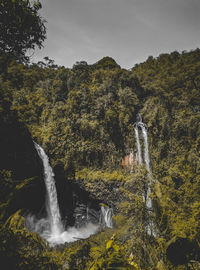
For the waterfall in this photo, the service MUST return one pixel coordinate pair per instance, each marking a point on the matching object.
(106, 217)
(143, 127)
(140, 124)
(51, 227)
(138, 143)
(87, 213)
(139, 118)
(52, 207)
(146, 147)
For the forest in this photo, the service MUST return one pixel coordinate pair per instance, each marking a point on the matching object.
(84, 117)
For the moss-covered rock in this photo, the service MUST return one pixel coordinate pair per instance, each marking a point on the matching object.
(103, 185)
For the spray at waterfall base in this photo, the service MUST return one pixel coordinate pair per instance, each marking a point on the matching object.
(51, 227)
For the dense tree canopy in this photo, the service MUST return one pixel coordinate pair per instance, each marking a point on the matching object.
(22, 27)
(84, 116)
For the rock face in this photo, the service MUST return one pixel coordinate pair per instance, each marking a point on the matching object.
(18, 153)
(73, 198)
(182, 250)
(130, 160)
(19, 157)
(106, 192)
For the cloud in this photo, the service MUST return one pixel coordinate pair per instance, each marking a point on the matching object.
(127, 30)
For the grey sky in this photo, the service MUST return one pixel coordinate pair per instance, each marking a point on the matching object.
(127, 30)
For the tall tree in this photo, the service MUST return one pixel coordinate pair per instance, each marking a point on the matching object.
(22, 27)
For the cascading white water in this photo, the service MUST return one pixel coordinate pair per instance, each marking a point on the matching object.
(146, 147)
(51, 228)
(138, 143)
(106, 217)
(52, 207)
(150, 226)
(140, 124)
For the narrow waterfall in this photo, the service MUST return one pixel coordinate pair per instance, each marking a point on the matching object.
(106, 217)
(140, 124)
(138, 143)
(52, 207)
(143, 127)
(146, 147)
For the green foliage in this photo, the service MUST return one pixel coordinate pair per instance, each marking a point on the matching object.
(22, 249)
(6, 185)
(84, 119)
(90, 111)
(110, 256)
(92, 175)
(171, 86)
(22, 27)
(106, 63)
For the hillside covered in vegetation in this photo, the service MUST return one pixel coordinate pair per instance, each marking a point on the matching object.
(83, 117)
(114, 152)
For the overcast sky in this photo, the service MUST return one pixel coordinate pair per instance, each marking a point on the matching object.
(127, 30)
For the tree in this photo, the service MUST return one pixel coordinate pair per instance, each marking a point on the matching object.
(22, 28)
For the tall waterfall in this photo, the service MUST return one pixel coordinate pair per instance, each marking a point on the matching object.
(147, 193)
(51, 227)
(140, 124)
(146, 147)
(52, 207)
(138, 143)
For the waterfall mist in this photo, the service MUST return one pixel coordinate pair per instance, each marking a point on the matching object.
(51, 227)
